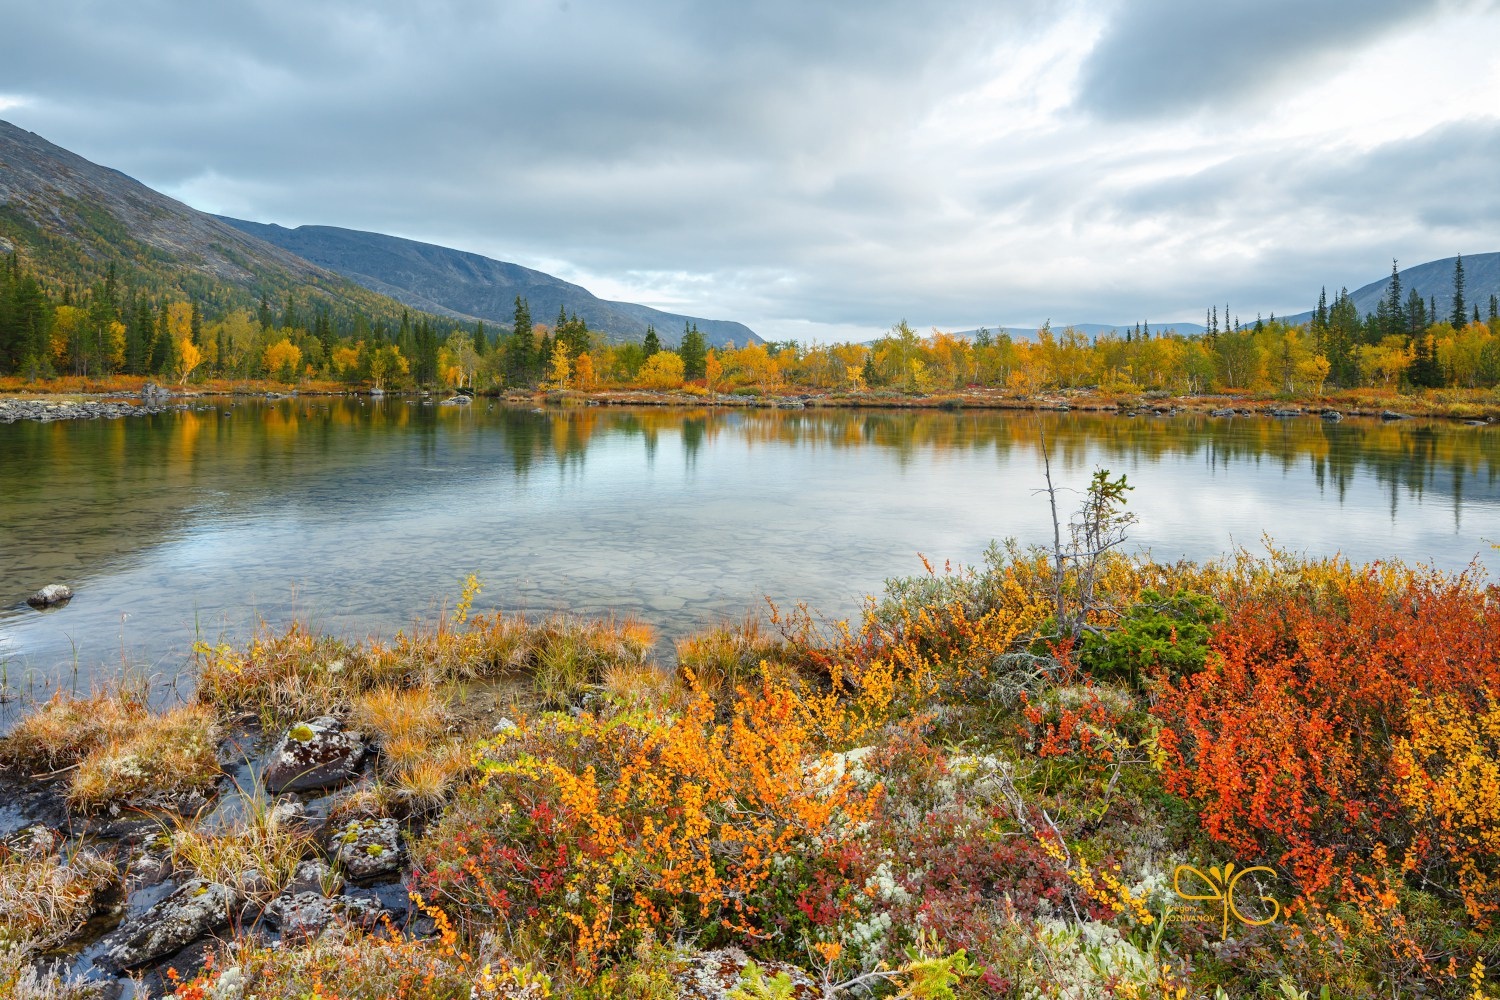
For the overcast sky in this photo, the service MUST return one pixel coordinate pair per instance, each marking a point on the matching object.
(815, 170)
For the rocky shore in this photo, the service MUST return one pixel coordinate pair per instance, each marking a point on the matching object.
(48, 410)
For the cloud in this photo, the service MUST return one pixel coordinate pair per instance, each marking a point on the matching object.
(806, 166)
(1166, 57)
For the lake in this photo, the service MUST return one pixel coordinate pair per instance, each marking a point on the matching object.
(359, 514)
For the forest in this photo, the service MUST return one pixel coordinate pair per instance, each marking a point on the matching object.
(112, 328)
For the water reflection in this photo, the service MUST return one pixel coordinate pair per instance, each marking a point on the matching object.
(362, 513)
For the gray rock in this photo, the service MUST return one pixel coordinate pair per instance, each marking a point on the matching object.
(318, 753)
(1222, 413)
(53, 593)
(1393, 415)
(713, 975)
(308, 914)
(315, 876)
(35, 841)
(197, 908)
(364, 848)
(151, 864)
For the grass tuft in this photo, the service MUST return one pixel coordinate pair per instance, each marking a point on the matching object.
(161, 757)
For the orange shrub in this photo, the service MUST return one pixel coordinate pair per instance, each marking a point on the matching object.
(1286, 739)
(606, 828)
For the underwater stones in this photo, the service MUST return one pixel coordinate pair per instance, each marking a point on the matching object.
(197, 908)
(318, 753)
(51, 595)
(365, 848)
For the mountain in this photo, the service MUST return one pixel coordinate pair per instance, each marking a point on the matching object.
(1087, 329)
(456, 283)
(71, 219)
(1433, 279)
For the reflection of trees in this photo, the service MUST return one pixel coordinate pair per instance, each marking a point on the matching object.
(132, 480)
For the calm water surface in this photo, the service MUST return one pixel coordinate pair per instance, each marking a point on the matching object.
(359, 515)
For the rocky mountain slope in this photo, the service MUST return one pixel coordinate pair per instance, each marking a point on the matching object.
(71, 219)
(456, 283)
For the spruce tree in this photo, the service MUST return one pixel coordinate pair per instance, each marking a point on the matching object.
(1460, 312)
(1395, 315)
(694, 351)
(1494, 307)
(652, 343)
(481, 340)
(518, 347)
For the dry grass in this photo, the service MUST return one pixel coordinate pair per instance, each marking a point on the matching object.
(298, 674)
(421, 783)
(259, 855)
(393, 715)
(63, 731)
(45, 898)
(284, 677)
(161, 756)
(722, 658)
(21, 980)
(420, 762)
(643, 685)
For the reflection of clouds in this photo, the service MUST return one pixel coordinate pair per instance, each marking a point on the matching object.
(359, 525)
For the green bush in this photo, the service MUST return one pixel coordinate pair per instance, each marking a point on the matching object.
(1168, 634)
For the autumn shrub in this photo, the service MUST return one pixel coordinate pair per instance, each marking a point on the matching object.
(1447, 770)
(602, 828)
(1286, 739)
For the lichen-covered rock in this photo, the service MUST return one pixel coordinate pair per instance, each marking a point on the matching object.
(199, 907)
(319, 753)
(307, 914)
(315, 876)
(713, 975)
(365, 848)
(52, 594)
(151, 863)
(35, 841)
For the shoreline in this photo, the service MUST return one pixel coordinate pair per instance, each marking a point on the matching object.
(43, 403)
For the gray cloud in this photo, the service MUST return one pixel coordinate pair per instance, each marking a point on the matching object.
(1165, 57)
(765, 161)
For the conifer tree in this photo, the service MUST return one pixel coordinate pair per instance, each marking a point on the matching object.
(694, 351)
(481, 340)
(1395, 315)
(518, 347)
(652, 343)
(1460, 311)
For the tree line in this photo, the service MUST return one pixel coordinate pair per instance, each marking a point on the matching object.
(111, 328)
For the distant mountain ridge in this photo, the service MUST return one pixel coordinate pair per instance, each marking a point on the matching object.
(1088, 329)
(1432, 280)
(469, 285)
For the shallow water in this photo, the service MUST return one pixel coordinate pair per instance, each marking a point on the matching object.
(360, 514)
